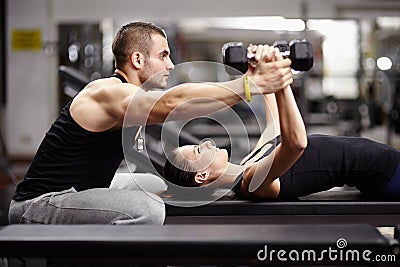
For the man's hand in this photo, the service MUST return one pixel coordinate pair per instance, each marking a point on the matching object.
(269, 72)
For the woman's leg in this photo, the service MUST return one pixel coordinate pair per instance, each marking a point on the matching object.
(95, 206)
(392, 188)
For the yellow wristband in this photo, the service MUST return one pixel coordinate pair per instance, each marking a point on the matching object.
(247, 88)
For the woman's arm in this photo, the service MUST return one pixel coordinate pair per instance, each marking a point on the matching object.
(260, 179)
(272, 129)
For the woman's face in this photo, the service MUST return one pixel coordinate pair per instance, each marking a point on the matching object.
(206, 158)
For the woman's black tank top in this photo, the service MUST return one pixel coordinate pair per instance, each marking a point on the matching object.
(334, 161)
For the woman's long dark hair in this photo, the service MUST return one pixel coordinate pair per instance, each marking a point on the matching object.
(179, 171)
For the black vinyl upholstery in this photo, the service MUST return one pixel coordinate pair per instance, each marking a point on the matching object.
(324, 207)
(183, 244)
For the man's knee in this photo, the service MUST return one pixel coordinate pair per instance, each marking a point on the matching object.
(156, 214)
(150, 209)
(154, 210)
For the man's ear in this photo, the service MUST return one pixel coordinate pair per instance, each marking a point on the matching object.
(201, 177)
(137, 60)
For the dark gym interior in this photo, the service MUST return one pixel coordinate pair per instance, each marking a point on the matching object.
(351, 89)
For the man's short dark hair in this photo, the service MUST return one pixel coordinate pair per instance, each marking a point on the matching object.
(133, 37)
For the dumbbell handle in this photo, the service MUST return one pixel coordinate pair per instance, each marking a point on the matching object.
(252, 59)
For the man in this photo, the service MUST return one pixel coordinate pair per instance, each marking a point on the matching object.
(68, 180)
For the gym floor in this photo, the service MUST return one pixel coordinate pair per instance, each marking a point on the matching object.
(15, 170)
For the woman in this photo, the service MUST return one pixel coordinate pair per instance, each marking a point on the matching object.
(292, 164)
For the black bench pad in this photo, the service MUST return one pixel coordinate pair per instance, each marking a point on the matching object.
(302, 211)
(180, 243)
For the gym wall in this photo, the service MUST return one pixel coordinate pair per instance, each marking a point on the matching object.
(31, 89)
(2, 53)
(31, 76)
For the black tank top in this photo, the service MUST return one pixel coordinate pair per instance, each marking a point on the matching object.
(70, 156)
(331, 161)
(273, 143)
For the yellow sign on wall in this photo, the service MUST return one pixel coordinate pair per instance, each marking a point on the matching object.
(26, 39)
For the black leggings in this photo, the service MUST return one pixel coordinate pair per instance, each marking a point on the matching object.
(330, 161)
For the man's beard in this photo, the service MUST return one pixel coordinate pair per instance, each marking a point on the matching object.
(151, 80)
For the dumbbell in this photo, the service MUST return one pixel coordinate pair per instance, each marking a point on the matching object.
(300, 52)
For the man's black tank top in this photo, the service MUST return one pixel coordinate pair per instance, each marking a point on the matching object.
(331, 161)
(70, 156)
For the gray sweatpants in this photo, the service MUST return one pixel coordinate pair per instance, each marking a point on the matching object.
(93, 206)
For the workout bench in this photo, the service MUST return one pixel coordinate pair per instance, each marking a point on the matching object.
(102, 245)
(325, 207)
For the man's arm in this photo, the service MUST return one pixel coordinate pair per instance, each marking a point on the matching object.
(192, 100)
(105, 104)
(128, 103)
